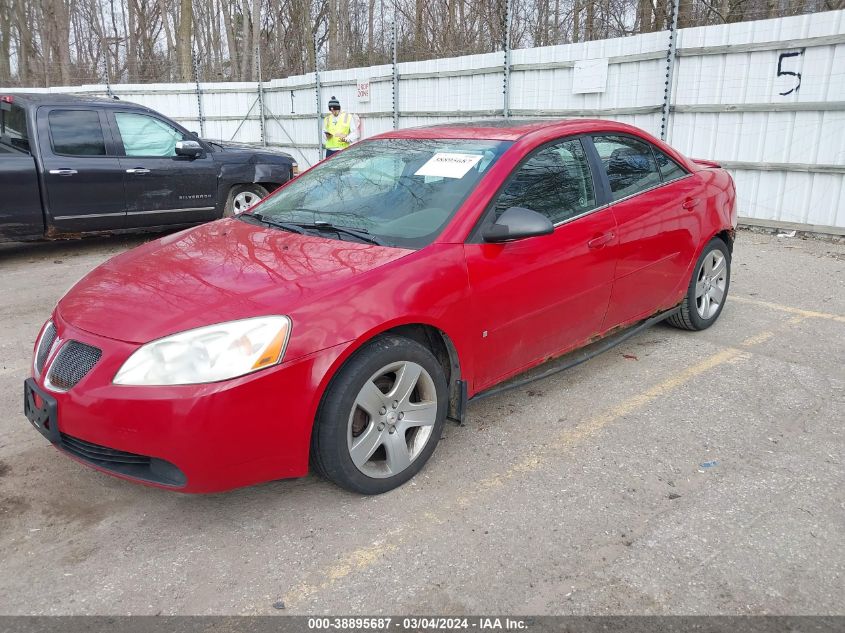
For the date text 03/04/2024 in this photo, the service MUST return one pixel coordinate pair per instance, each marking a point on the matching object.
(417, 623)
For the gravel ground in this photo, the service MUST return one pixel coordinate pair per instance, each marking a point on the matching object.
(679, 473)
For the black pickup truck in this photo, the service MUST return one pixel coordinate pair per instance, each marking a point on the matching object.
(72, 165)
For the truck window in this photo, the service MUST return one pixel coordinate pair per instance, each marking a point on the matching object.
(146, 136)
(13, 130)
(77, 133)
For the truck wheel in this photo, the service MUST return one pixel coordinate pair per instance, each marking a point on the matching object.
(242, 197)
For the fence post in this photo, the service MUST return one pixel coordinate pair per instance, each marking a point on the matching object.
(395, 80)
(260, 94)
(506, 88)
(319, 101)
(670, 70)
(199, 92)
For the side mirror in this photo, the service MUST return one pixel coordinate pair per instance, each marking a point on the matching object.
(517, 223)
(188, 148)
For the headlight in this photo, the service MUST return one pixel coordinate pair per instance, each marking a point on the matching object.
(208, 354)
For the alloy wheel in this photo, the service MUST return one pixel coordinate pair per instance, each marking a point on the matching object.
(710, 284)
(392, 419)
(244, 201)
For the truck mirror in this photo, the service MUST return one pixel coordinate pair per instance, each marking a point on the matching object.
(188, 148)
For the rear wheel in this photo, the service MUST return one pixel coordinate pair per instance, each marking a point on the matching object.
(242, 198)
(381, 417)
(708, 289)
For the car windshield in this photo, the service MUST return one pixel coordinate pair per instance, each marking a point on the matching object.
(395, 192)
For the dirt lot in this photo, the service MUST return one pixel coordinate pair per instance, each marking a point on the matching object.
(678, 473)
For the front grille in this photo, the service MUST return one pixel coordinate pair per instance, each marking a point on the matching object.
(132, 465)
(72, 364)
(47, 340)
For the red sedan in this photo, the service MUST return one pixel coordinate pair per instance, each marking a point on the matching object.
(345, 317)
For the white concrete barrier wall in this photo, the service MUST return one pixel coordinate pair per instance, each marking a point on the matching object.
(735, 99)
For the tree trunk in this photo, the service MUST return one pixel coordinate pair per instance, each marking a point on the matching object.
(370, 28)
(685, 14)
(184, 46)
(232, 42)
(61, 33)
(168, 31)
(246, 73)
(644, 16)
(5, 42)
(419, 32)
(132, 42)
(256, 38)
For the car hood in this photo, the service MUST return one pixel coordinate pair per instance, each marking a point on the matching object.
(251, 150)
(213, 273)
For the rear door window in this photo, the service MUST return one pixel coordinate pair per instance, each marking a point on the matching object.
(77, 133)
(629, 164)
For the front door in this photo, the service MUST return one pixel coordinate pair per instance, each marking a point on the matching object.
(161, 187)
(539, 297)
(82, 175)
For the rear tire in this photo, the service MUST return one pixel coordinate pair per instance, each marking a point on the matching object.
(381, 417)
(708, 289)
(242, 198)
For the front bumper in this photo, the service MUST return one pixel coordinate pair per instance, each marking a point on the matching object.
(193, 438)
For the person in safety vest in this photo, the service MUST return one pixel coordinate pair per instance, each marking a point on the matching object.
(340, 128)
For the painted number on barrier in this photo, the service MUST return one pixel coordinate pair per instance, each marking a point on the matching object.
(784, 57)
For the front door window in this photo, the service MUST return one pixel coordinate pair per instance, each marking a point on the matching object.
(147, 136)
(555, 181)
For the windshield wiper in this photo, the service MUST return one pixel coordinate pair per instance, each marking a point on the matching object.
(319, 225)
(361, 234)
(263, 219)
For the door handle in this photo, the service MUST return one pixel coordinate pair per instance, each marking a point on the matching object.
(138, 170)
(63, 172)
(690, 203)
(600, 241)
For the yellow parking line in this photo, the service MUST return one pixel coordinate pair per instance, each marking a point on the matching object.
(807, 314)
(367, 556)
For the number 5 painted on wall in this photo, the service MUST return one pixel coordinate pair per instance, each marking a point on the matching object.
(782, 72)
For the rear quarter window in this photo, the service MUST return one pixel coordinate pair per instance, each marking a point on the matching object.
(669, 169)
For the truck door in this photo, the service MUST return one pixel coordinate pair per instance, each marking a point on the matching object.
(161, 187)
(82, 176)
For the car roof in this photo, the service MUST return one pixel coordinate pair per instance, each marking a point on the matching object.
(61, 98)
(508, 129)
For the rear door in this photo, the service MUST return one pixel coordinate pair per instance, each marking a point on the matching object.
(83, 178)
(20, 206)
(161, 187)
(538, 297)
(654, 203)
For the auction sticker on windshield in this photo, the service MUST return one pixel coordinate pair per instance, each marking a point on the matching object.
(448, 165)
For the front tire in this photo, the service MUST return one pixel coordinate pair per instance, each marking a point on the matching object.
(708, 289)
(381, 417)
(242, 198)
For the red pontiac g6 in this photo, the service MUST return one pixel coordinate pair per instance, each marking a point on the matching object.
(344, 318)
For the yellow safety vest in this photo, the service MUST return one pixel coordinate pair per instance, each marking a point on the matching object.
(339, 127)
